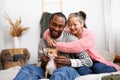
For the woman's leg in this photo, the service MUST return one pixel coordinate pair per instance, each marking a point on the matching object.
(102, 68)
(84, 70)
(64, 73)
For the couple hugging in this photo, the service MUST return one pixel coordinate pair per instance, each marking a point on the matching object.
(76, 53)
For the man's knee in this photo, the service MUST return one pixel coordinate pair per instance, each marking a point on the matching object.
(65, 68)
(65, 73)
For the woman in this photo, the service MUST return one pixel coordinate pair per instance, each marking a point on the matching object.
(76, 23)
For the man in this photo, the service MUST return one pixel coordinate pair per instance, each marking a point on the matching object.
(66, 61)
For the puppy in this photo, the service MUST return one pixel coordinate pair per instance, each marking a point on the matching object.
(50, 67)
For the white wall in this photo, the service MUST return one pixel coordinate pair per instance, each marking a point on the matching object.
(94, 11)
(30, 11)
(2, 43)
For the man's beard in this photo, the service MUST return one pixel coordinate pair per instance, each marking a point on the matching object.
(55, 34)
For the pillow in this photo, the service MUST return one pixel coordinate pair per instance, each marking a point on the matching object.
(9, 74)
(107, 55)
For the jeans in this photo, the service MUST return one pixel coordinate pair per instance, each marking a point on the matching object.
(29, 72)
(102, 68)
(83, 70)
(65, 73)
(96, 69)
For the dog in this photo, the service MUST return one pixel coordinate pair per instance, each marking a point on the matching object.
(50, 67)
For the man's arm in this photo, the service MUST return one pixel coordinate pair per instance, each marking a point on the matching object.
(81, 59)
(42, 53)
(74, 60)
(41, 48)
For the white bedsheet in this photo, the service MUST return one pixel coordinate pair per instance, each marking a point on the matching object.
(95, 76)
(9, 74)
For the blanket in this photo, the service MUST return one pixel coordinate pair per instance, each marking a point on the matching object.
(9, 74)
(96, 76)
(111, 77)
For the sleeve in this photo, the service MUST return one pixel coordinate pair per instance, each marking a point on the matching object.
(83, 59)
(46, 33)
(75, 63)
(84, 43)
(41, 48)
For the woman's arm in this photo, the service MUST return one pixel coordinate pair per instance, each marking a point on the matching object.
(51, 42)
(46, 34)
(86, 42)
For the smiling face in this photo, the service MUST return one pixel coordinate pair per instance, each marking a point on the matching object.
(75, 25)
(56, 26)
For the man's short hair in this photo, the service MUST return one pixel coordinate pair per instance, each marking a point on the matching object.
(58, 14)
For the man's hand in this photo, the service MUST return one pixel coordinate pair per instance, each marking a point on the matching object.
(44, 60)
(62, 61)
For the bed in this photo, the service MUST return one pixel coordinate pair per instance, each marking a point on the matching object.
(9, 74)
(97, 76)
(110, 57)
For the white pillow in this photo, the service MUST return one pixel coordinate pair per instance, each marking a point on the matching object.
(107, 55)
(9, 74)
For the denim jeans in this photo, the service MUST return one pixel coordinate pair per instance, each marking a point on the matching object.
(65, 73)
(102, 68)
(97, 68)
(30, 72)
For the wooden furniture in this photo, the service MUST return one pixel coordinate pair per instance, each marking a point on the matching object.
(14, 57)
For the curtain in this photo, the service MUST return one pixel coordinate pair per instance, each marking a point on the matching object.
(109, 38)
(115, 5)
(112, 25)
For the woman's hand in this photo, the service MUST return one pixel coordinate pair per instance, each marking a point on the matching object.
(51, 42)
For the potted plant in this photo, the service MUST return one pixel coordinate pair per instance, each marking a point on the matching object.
(16, 29)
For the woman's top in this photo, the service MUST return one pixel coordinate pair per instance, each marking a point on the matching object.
(86, 42)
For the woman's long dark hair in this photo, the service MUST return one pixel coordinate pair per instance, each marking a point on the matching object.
(84, 16)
